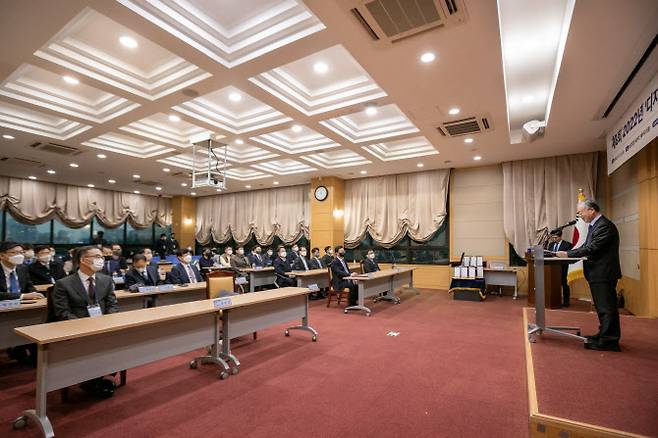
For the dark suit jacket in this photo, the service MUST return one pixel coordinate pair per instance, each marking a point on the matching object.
(298, 265)
(315, 263)
(134, 278)
(206, 263)
(259, 261)
(563, 246)
(111, 267)
(40, 274)
(281, 267)
(162, 248)
(337, 274)
(240, 261)
(602, 251)
(327, 260)
(70, 299)
(370, 266)
(24, 282)
(291, 257)
(178, 274)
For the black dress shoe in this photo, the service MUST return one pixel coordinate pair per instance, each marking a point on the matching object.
(601, 347)
(593, 337)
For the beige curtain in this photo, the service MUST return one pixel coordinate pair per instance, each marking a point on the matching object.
(543, 193)
(282, 212)
(37, 202)
(389, 207)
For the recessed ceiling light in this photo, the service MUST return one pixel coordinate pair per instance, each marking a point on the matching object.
(419, 165)
(453, 111)
(158, 188)
(174, 118)
(112, 181)
(276, 183)
(296, 128)
(101, 156)
(136, 176)
(91, 186)
(193, 193)
(247, 186)
(50, 171)
(8, 137)
(70, 80)
(320, 67)
(136, 192)
(235, 97)
(239, 141)
(363, 172)
(468, 140)
(166, 169)
(371, 110)
(32, 177)
(427, 57)
(477, 158)
(74, 165)
(183, 184)
(129, 42)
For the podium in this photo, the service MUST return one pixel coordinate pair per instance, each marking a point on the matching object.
(552, 280)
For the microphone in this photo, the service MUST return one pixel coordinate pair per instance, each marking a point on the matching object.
(568, 224)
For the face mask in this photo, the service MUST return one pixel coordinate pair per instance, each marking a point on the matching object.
(330, 252)
(295, 249)
(29, 254)
(44, 258)
(97, 265)
(108, 258)
(371, 256)
(316, 255)
(17, 259)
(187, 259)
(68, 266)
(283, 254)
(141, 270)
(341, 253)
(148, 257)
(303, 253)
(258, 251)
(241, 251)
(269, 253)
(229, 251)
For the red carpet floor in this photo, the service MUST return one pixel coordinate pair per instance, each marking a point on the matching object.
(615, 390)
(457, 369)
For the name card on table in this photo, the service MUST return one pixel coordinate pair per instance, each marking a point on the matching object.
(313, 287)
(166, 287)
(258, 268)
(241, 280)
(118, 280)
(221, 303)
(143, 289)
(10, 304)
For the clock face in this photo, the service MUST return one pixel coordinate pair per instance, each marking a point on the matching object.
(321, 193)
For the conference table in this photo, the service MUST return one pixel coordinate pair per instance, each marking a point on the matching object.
(33, 312)
(380, 282)
(73, 351)
(316, 277)
(259, 276)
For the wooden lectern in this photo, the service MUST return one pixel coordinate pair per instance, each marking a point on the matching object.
(552, 282)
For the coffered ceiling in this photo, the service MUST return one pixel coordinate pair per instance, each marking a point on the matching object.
(300, 89)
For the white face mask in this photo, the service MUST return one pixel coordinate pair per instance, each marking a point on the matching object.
(187, 259)
(229, 251)
(241, 251)
(141, 270)
(97, 265)
(29, 254)
(148, 257)
(283, 254)
(303, 253)
(45, 258)
(68, 266)
(371, 256)
(17, 259)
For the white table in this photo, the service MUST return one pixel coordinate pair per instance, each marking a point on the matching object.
(502, 277)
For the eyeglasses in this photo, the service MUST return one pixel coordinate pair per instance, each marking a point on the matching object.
(96, 257)
(14, 252)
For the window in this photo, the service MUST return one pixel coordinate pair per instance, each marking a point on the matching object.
(112, 235)
(433, 252)
(63, 235)
(24, 233)
(135, 236)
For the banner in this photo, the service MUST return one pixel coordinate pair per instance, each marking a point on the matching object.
(637, 127)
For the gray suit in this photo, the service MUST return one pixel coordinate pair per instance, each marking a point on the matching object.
(70, 299)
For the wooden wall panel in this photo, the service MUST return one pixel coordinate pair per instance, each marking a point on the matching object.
(184, 219)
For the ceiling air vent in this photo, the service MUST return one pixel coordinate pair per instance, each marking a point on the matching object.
(467, 126)
(20, 162)
(55, 148)
(393, 20)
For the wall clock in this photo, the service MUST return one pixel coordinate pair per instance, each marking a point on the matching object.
(321, 193)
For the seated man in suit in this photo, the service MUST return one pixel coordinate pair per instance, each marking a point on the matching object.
(240, 261)
(15, 284)
(557, 244)
(148, 253)
(185, 272)
(88, 293)
(117, 254)
(281, 269)
(301, 264)
(225, 259)
(141, 274)
(369, 263)
(44, 270)
(256, 259)
(110, 265)
(270, 257)
(328, 256)
(206, 260)
(339, 272)
(315, 262)
(28, 251)
(293, 254)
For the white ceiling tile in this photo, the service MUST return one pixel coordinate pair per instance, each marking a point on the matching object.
(358, 127)
(336, 159)
(245, 153)
(245, 174)
(292, 142)
(402, 149)
(123, 144)
(159, 128)
(34, 122)
(284, 167)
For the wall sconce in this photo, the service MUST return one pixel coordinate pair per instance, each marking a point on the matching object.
(338, 213)
(187, 221)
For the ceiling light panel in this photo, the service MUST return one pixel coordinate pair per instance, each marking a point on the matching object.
(34, 122)
(245, 115)
(158, 127)
(402, 149)
(533, 35)
(89, 45)
(298, 84)
(359, 127)
(246, 153)
(245, 174)
(187, 161)
(123, 144)
(284, 167)
(39, 87)
(336, 159)
(227, 31)
(294, 141)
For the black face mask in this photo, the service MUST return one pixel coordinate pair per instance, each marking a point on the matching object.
(341, 253)
(108, 258)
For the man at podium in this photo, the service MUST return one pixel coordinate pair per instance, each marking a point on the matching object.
(602, 270)
(557, 244)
